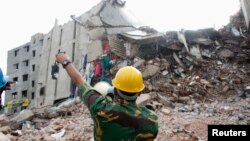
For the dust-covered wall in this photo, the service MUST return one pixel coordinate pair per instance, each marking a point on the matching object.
(245, 4)
(27, 57)
(81, 36)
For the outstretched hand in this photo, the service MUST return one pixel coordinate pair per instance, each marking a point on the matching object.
(60, 57)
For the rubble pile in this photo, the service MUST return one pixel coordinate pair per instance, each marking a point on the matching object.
(198, 78)
(203, 65)
(70, 121)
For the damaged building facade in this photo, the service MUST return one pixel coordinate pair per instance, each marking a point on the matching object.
(23, 66)
(196, 77)
(108, 35)
(245, 4)
(91, 36)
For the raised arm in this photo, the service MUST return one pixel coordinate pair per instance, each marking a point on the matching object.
(69, 67)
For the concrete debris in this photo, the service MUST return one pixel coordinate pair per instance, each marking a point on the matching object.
(224, 53)
(203, 41)
(143, 99)
(235, 31)
(4, 137)
(192, 79)
(23, 116)
(182, 39)
(16, 133)
(59, 134)
(206, 53)
(195, 50)
(150, 70)
(166, 111)
(138, 62)
(5, 129)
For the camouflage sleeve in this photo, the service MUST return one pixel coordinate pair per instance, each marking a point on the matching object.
(89, 96)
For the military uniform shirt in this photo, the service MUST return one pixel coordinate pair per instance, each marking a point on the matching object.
(118, 120)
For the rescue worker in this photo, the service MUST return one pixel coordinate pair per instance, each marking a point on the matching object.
(120, 119)
(5, 85)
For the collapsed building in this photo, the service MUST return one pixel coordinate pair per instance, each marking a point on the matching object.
(184, 72)
(245, 5)
(108, 37)
(86, 39)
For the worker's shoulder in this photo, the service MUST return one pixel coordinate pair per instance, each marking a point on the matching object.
(136, 111)
(148, 112)
(85, 88)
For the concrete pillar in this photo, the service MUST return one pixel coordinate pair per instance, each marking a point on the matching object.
(245, 4)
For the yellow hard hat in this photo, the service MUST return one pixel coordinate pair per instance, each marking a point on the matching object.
(128, 79)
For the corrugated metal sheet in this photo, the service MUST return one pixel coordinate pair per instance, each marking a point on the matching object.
(117, 46)
(141, 37)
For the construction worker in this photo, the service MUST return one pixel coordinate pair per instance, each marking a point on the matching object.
(120, 119)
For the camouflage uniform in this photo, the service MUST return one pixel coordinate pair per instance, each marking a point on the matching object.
(119, 120)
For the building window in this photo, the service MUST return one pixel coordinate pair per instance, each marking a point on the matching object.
(16, 52)
(34, 41)
(14, 95)
(60, 40)
(41, 42)
(34, 53)
(25, 77)
(16, 66)
(27, 48)
(33, 95)
(15, 79)
(33, 83)
(33, 67)
(73, 53)
(24, 94)
(26, 63)
(74, 34)
(42, 91)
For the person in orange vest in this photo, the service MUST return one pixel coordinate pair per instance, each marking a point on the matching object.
(119, 119)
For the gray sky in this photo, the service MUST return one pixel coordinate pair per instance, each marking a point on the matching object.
(20, 19)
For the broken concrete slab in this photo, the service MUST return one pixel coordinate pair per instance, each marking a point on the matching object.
(178, 60)
(224, 53)
(23, 116)
(5, 129)
(94, 21)
(165, 101)
(206, 53)
(232, 42)
(143, 99)
(184, 99)
(150, 70)
(138, 62)
(97, 33)
(4, 137)
(97, 9)
(195, 50)
(119, 16)
(94, 50)
(165, 111)
(203, 41)
(182, 39)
